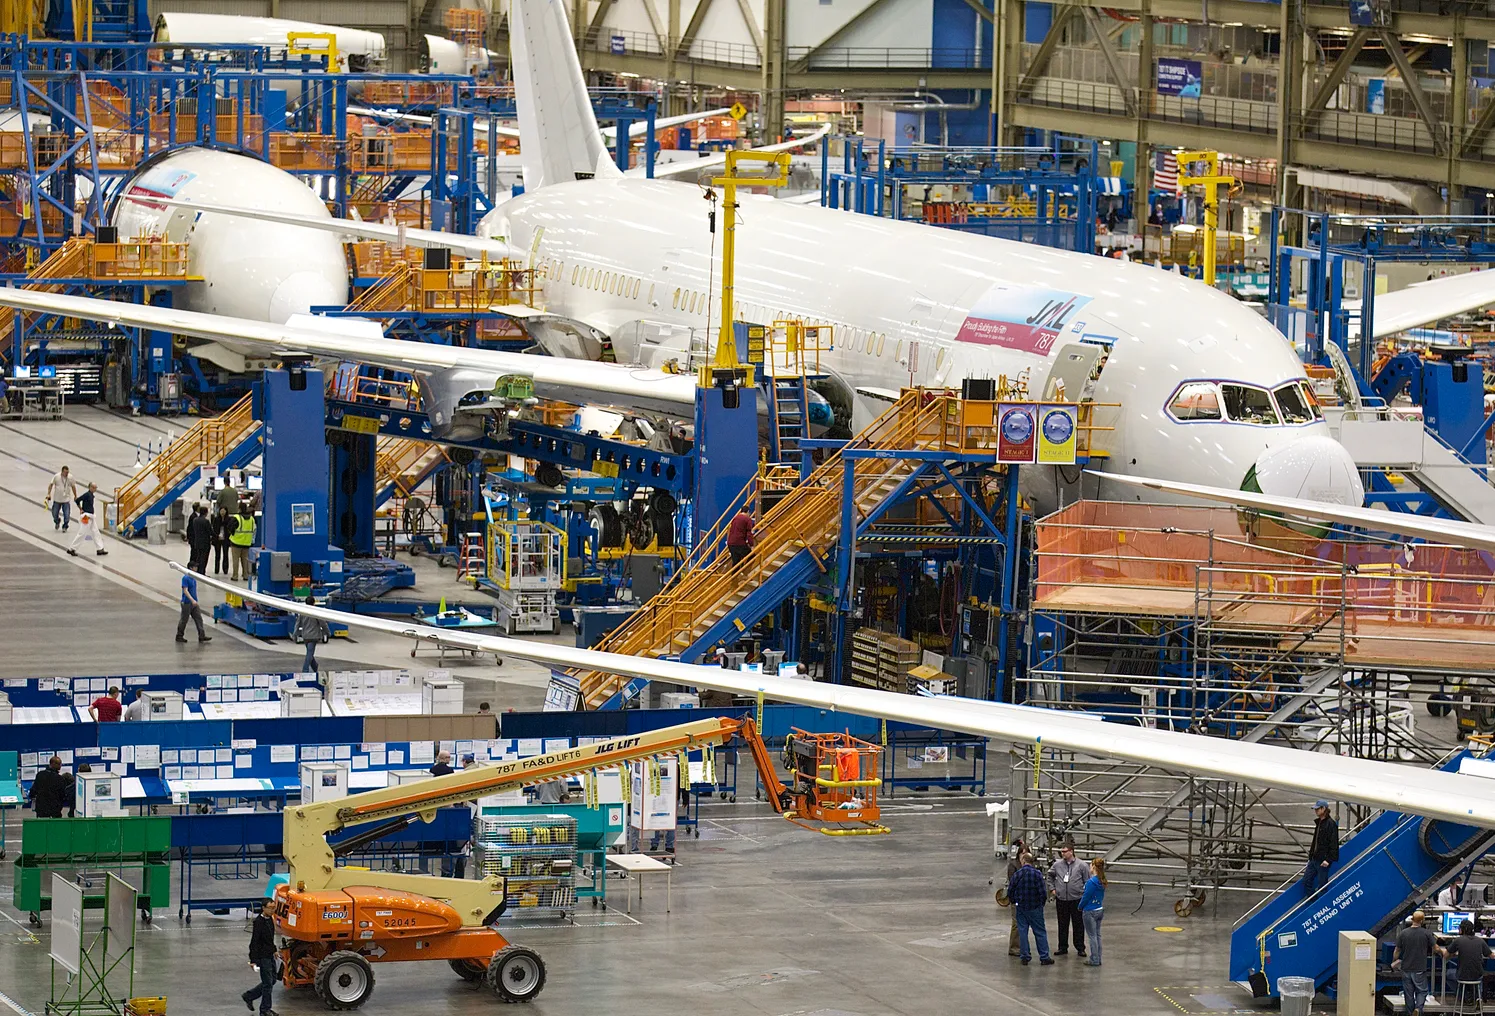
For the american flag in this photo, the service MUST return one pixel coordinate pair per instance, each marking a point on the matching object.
(1165, 172)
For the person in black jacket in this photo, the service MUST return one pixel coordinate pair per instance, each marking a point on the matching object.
(49, 791)
(1323, 849)
(262, 957)
(199, 538)
(222, 529)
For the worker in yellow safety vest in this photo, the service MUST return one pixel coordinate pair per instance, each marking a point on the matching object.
(239, 541)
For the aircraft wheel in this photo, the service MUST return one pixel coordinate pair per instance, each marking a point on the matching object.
(470, 971)
(516, 974)
(345, 980)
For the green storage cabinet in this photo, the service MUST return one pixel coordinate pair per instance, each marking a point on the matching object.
(136, 848)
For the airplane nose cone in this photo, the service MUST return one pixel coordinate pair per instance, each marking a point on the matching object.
(301, 291)
(1315, 468)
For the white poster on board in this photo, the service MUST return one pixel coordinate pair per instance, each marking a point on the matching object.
(67, 923)
(648, 810)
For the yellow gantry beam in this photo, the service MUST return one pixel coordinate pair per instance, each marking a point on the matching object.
(776, 176)
(1211, 180)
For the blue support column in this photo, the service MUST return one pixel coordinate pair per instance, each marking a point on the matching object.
(726, 452)
(295, 466)
(352, 493)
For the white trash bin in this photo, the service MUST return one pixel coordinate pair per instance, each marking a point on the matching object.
(1297, 995)
(155, 530)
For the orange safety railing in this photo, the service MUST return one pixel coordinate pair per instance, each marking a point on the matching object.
(137, 259)
(468, 285)
(205, 443)
(404, 463)
(69, 261)
(707, 586)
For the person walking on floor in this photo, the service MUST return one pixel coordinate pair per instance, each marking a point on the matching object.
(1067, 878)
(88, 523)
(190, 609)
(311, 632)
(1093, 907)
(740, 535)
(222, 521)
(49, 791)
(240, 538)
(1323, 849)
(1028, 893)
(61, 492)
(262, 958)
(1415, 946)
(199, 538)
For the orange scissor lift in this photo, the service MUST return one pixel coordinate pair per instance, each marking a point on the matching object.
(832, 780)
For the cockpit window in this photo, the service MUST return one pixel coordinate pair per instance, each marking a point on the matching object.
(1197, 400)
(1244, 404)
(1297, 403)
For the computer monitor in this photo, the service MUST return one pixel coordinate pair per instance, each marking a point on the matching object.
(1451, 921)
(256, 482)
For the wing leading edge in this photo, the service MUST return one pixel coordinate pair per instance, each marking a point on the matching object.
(1432, 793)
(1462, 534)
(577, 381)
(1428, 302)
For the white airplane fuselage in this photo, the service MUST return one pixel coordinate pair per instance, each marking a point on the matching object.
(634, 258)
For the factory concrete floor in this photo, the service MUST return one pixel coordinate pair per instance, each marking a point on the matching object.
(766, 918)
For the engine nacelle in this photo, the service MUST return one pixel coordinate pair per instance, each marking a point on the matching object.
(459, 403)
(263, 271)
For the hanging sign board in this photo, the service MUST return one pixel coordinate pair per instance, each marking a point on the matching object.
(1057, 427)
(1017, 438)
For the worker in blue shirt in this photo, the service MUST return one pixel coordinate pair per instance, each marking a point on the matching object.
(190, 609)
(1028, 892)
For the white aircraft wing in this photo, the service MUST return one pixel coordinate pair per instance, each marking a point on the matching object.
(636, 128)
(1431, 301)
(713, 161)
(1450, 531)
(1450, 796)
(471, 246)
(577, 381)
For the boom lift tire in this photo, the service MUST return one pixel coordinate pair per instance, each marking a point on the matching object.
(470, 971)
(516, 974)
(345, 980)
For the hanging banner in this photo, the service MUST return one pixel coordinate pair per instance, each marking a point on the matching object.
(1184, 78)
(1025, 318)
(1058, 424)
(1017, 438)
(1375, 95)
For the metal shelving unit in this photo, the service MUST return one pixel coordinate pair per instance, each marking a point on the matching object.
(536, 856)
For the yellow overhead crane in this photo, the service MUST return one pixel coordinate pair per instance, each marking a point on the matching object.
(725, 370)
(1211, 180)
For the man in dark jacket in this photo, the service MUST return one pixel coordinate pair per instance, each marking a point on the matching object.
(49, 791)
(1323, 849)
(262, 957)
(199, 538)
(1029, 892)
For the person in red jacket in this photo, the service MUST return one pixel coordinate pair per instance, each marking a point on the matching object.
(740, 535)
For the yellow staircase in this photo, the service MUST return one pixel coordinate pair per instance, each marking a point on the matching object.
(402, 463)
(70, 261)
(205, 443)
(808, 517)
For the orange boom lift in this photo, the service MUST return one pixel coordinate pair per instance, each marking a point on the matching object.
(336, 922)
(832, 780)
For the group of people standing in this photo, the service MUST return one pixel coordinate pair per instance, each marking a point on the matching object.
(1079, 893)
(227, 534)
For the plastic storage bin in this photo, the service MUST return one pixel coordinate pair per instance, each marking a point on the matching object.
(1297, 995)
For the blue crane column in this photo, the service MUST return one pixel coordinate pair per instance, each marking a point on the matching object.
(295, 518)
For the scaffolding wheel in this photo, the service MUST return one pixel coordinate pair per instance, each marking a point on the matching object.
(698, 834)
(35, 919)
(189, 918)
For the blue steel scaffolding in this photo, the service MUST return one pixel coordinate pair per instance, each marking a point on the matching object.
(1036, 195)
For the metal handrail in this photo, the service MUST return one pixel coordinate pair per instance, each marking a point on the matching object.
(205, 442)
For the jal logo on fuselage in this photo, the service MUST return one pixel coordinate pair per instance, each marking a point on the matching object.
(1052, 315)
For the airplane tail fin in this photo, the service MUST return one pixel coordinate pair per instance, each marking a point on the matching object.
(558, 136)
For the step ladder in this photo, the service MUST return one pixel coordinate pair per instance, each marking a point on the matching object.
(709, 596)
(472, 562)
(789, 410)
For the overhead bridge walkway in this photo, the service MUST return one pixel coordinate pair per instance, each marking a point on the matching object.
(798, 537)
(1384, 871)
